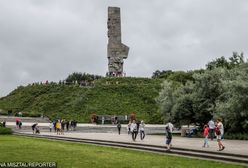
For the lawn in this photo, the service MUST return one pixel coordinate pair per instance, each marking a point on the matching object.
(75, 155)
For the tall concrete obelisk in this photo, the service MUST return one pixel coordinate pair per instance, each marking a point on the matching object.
(116, 50)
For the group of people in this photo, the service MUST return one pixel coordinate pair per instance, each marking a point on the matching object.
(134, 127)
(214, 129)
(59, 126)
(210, 130)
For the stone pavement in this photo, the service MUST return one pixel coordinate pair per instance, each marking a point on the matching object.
(88, 127)
(232, 146)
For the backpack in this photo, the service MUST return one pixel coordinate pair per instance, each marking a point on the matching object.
(167, 129)
(169, 135)
(217, 131)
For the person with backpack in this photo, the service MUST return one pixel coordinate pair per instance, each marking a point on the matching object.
(219, 131)
(168, 131)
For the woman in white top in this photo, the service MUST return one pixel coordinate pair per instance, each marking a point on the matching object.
(134, 130)
(142, 130)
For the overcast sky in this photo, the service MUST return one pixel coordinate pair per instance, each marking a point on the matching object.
(49, 39)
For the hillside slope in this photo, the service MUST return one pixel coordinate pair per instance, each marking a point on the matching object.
(109, 96)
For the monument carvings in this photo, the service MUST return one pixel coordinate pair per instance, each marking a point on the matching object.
(116, 50)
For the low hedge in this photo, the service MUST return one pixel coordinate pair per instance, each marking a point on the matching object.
(237, 136)
(5, 131)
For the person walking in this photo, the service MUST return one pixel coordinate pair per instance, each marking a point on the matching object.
(211, 127)
(129, 127)
(168, 130)
(54, 126)
(50, 126)
(20, 124)
(142, 130)
(119, 127)
(33, 127)
(219, 131)
(17, 123)
(4, 123)
(205, 134)
(134, 130)
(58, 127)
(67, 125)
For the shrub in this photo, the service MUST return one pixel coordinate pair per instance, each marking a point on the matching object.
(5, 131)
(237, 136)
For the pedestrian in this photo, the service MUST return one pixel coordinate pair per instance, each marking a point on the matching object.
(219, 131)
(67, 125)
(58, 127)
(50, 126)
(37, 130)
(103, 120)
(71, 125)
(168, 130)
(54, 125)
(20, 124)
(129, 127)
(17, 123)
(75, 125)
(205, 134)
(138, 126)
(4, 123)
(119, 127)
(62, 126)
(211, 127)
(142, 130)
(134, 130)
(33, 127)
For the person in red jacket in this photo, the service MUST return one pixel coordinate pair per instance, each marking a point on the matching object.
(205, 134)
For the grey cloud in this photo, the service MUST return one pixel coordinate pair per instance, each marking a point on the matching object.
(47, 40)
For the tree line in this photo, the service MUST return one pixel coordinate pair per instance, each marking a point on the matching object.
(219, 91)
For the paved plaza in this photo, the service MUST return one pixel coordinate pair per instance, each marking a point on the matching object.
(232, 146)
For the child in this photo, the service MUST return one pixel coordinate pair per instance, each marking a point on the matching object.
(37, 130)
(205, 134)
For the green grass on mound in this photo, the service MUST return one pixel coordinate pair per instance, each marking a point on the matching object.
(109, 96)
(68, 155)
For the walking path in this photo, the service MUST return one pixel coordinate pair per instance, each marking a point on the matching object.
(232, 146)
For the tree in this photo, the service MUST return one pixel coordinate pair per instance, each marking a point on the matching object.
(232, 105)
(181, 77)
(194, 101)
(78, 76)
(166, 100)
(235, 60)
(218, 63)
(162, 74)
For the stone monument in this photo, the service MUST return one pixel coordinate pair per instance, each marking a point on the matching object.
(116, 50)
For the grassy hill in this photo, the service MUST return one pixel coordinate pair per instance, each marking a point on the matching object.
(109, 96)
